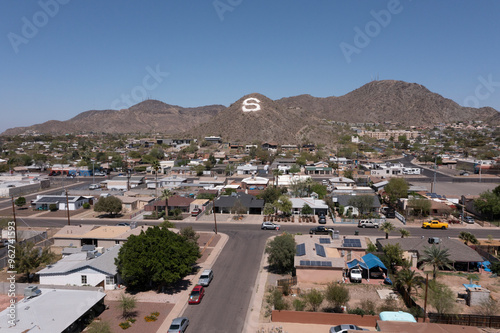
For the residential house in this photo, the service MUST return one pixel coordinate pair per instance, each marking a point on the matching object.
(246, 169)
(347, 201)
(227, 203)
(254, 183)
(178, 202)
(43, 202)
(99, 236)
(54, 310)
(198, 204)
(318, 206)
(123, 183)
(84, 268)
(461, 256)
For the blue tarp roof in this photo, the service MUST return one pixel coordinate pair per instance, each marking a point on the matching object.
(372, 261)
(471, 286)
(355, 263)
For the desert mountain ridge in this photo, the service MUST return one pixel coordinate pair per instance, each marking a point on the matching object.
(255, 117)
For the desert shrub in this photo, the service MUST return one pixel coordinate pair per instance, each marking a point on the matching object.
(53, 207)
(86, 205)
(275, 299)
(299, 304)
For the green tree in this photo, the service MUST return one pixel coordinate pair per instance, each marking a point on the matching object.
(239, 208)
(294, 169)
(393, 255)
(387, 227)
(21, 201)
(284, 204)
(281, 251)
(306, 210)
(156, 257)
(99, 327)
(29, 258)
(319, 189)
(467, 237)
(270, 194)
(111, 205)
(409, 280)
(190, 234)
(437, 257)
(337, 295)
(127, 304)
(268, 208)
(488, 204)
(314, 298)
(404, 233)
(349, 173)
(421, 207)
(441, 297)
(362, 202)
(396, 188)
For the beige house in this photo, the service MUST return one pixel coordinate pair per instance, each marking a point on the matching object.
(100, 236)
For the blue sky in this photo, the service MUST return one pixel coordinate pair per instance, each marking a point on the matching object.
(63, 57)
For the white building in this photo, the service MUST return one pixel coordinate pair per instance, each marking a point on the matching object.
(43, 202)
(82, 269)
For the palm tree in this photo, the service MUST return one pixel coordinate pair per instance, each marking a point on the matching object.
(276, 174)
(409, 280)
(156, 166)
(467, 237)
(387, 227)
(437, 257)
(165, 195)
(404, 233)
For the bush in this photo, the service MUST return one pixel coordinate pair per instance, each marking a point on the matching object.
(368, 306)
(299, 304)
(124, 325)
(86, 205)
(275, 299)
(53, 207)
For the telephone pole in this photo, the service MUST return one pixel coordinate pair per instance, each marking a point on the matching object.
(15, 221)
(67, 206)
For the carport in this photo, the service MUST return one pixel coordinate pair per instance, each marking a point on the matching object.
(372, 262)
(357, 263)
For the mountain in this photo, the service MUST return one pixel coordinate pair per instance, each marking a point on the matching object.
(288, 120)
(150, 116)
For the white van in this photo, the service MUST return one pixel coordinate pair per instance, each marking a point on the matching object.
(206, 277)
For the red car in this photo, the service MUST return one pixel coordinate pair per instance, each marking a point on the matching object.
(196, 295)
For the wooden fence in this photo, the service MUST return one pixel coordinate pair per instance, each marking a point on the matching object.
(465, 320)
(291, 281)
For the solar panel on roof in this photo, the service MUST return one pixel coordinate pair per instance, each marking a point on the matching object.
(305, 263)
(326, 263)
(320, 250)
(324, 241)
(300, 249)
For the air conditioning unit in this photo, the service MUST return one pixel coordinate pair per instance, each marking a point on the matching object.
(434, 240)
(31, 291)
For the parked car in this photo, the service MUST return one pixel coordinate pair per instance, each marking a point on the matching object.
(344, 328)
(178, 325)
(469, 219)
(94, 186)
(206, 277)
(99, 173)
(270, 226)
(196, 294)
(320, 230)
(435, 224)
(196, 212)
(368, 224)
(355, 275)
(322, 219)
(123, 224)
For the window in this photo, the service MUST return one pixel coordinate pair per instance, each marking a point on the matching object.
(84, 279)
(110, 280)
(117, 242)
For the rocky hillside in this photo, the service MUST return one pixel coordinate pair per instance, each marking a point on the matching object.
(288, 120)
(150, 116)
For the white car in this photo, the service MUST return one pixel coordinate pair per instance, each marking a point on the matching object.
(94, 186)
(206, 277)
(344, 328)
(355, 275)
(270, 226)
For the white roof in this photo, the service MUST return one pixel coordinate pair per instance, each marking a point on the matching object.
(53, 310)
(312, 202)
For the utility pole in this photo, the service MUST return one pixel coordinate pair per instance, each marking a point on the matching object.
(425, 301)
(435, 168)
(215, 219)
(15, 221)
(93, 172)
(67, 206)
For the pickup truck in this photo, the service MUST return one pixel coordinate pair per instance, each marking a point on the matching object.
(435, 224)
